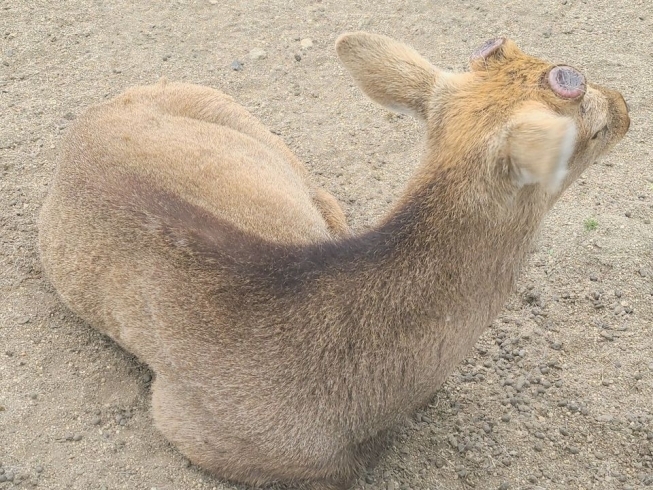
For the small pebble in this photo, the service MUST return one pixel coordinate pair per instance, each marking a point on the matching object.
(574, 450)
(77, 437)
(505, 418)
(39, 469)
(298, 57)
(257, 54)
(96, 420)
(306, 43)
(236, 65)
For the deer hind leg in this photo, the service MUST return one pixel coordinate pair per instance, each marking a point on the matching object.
(331, 212)
(213, 106)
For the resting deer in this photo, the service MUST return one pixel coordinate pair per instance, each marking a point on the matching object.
(285, 347)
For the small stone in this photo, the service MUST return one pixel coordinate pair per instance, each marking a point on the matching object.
(504, 486)
(166, 57)
(39, 469)
(257, 54)
(298, 57)
(505, 418)
(643, 272)
(574, 450)
(538, 447)
(628, 214)
(77, 437)
(147, 377)
(236, 65)
(96, 421)
(594, 277)
(306, 43)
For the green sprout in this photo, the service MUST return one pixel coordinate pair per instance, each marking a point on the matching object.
(591, 224)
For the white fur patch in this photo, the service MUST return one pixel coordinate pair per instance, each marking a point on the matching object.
(558, 173)
(562, 168)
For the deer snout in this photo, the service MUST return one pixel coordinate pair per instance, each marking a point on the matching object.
(619, 110)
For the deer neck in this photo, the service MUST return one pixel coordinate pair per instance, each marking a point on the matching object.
(442, 264)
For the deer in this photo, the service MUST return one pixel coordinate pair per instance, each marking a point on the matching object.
(285, 347)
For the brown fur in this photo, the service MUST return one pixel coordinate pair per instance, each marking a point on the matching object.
(284, 348)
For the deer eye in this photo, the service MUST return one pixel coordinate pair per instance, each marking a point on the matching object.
(599, 132)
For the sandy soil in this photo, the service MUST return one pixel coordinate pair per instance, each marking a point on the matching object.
(558, 394)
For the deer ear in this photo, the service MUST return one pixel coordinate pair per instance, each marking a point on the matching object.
(540, 144)
(389, 72)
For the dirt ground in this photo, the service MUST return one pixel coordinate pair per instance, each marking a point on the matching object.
(558, 394)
